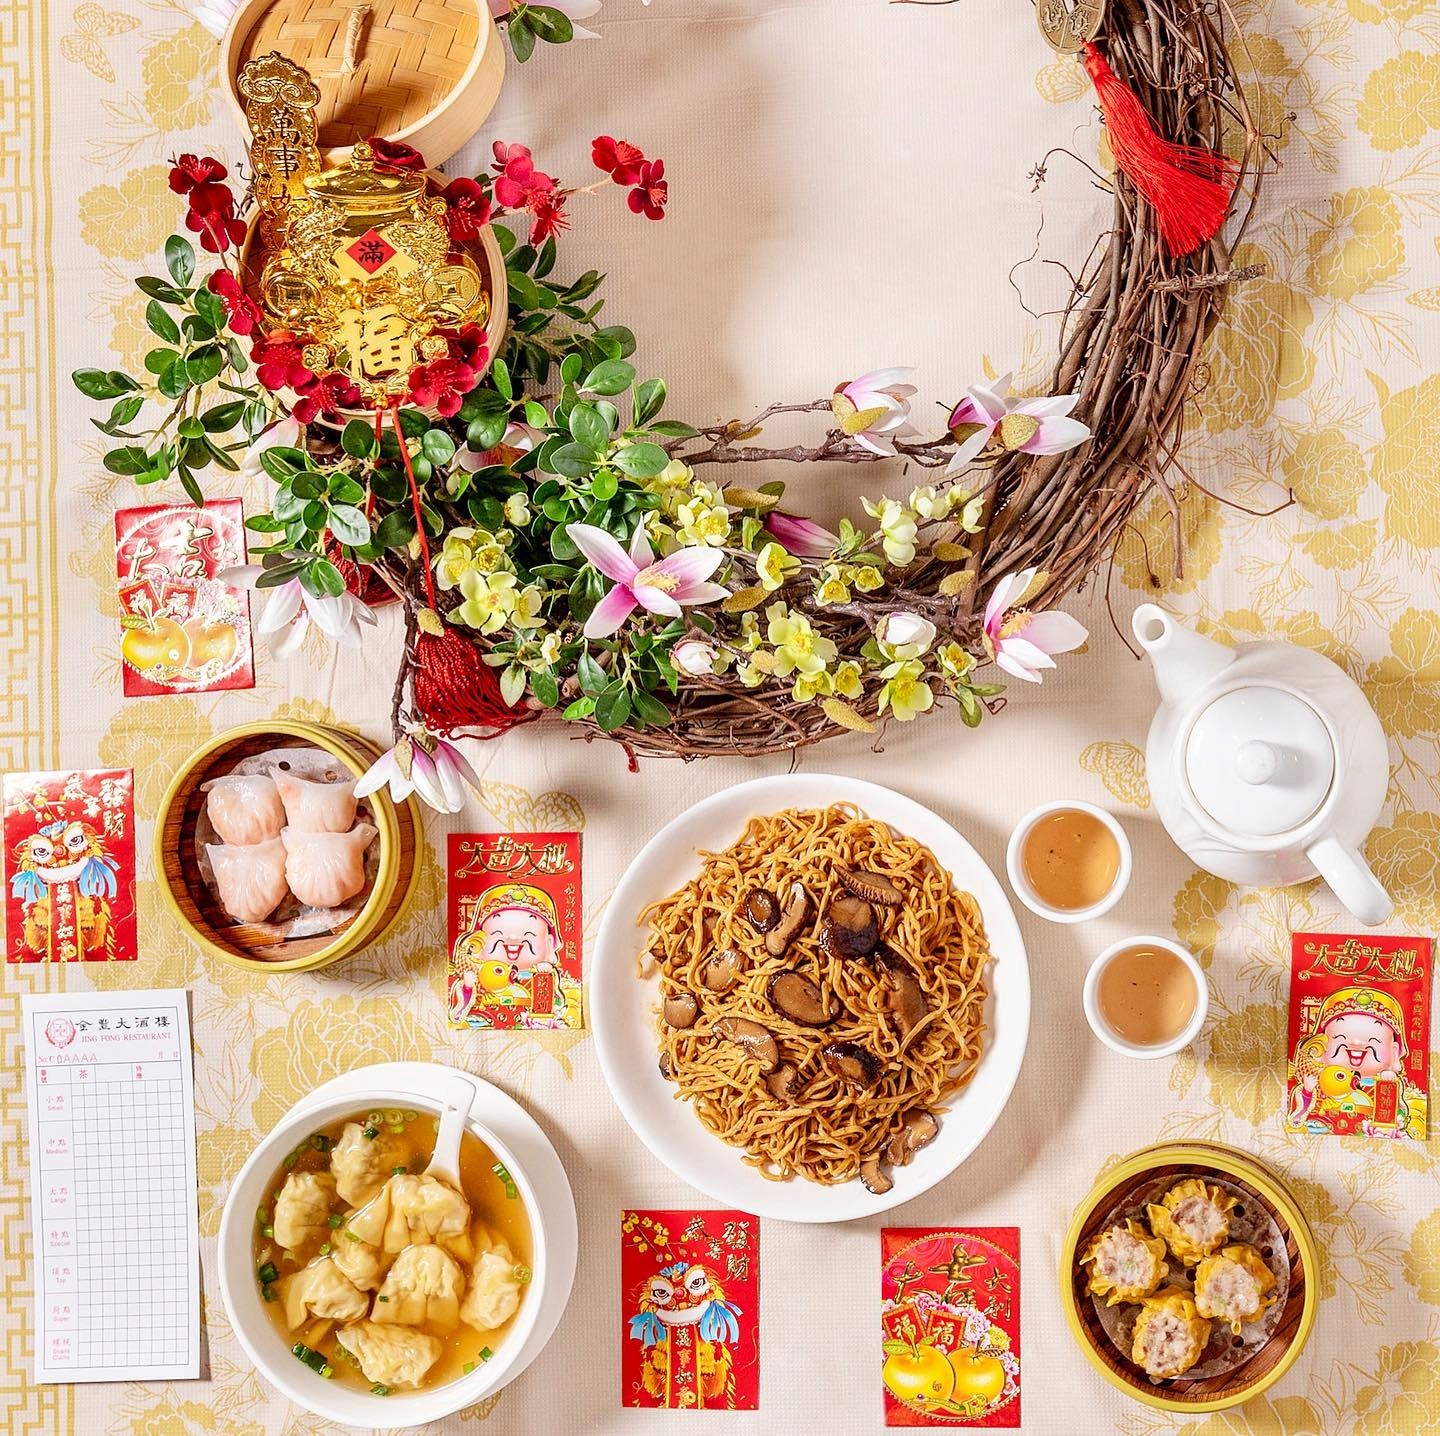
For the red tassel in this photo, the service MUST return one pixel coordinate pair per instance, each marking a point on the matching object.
(1188, 186)
(455, 689)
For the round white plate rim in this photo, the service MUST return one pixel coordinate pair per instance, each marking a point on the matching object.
(613, 989)
(515, 1126)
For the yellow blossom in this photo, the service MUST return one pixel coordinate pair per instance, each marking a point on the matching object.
(526, 613)
(930, 504)
(847, 679)
(749, 675)
(905, 692)
(798, 648)
(773, 566)
(490, 599)
(468, 550)
(867, 577)
(955, 662)
(703, 518)
(833, 587)
(517, 510)
(809, 686)
(897, 529)
(550, 649)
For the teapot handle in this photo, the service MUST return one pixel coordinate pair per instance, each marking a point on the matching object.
(1351, 880)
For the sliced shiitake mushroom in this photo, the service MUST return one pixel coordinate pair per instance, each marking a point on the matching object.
(873, 1178)
(761, 910)
(721, 970)
(917, 1129)
(783, 1083)
(850, 929)
(680, 1008)
(873, 887)
(849, 1060)
(792, 919)
(795, 996)
(751, 1038)
(666, 1071)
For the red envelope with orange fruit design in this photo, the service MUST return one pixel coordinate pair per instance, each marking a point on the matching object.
(950, 1326)
(182, 628)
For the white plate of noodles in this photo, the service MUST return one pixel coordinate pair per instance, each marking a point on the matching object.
(826, 973)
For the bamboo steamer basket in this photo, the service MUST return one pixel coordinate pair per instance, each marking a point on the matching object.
(1274, 1358)
(196, 908)
(424, 72)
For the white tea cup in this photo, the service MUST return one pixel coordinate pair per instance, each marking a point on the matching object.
(1025, 889)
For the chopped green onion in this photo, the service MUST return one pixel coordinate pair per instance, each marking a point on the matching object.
(374, 1119)
(398, 1171)
(468, 1367)
(371, 1132)
(324, 1248)
(269, 1293)
(523, 1275)
(350, 1236)
(412, 1116)
(335, 1220)
(382, 1298)
(267, 1274)
(320, 1142)
(394, 1116)
(315, 1360)
(486, 1353)
(261, 1215)
(379, 1390)
(267, 1231)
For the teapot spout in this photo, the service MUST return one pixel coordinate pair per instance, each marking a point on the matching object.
(1184, 661)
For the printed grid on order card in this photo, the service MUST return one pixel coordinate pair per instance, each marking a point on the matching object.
(112, 1141)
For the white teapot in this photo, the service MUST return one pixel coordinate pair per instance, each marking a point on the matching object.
(1266, 763)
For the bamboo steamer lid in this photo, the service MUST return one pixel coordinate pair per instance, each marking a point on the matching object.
(426, 72)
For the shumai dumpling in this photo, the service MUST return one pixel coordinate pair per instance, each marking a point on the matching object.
(251, 879)
(361, 1164)
(323, 869)
(362, 1263)
(391, 1355)
(312, 807)
(1193, 1218)
(323, 1290)
(410, 1209)
(1234, 1286)
(1169, 1335)
(1126, 1262)
(493, 1294)
(244, 808)
(424, 1287)
(302, 1210)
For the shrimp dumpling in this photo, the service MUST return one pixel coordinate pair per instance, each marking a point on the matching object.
(321, 1289)
(1170, 1334)
(493, 1294)
(360, 1163)
(324, 869)
(251, 879)
(424, 1287)
(244, 808)
(312, 807)
(302, 1210)
(362, 1263)
(391, 1355)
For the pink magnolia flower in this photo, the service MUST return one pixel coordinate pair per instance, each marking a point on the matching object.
(874, 409)
(518, 439)
(1027, 426)
(800, 536)
(291, 609)
(695, 657)
(1023, 642)
(425, 764)
(640, 582)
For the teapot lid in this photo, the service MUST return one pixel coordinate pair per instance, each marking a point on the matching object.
(1259, 760)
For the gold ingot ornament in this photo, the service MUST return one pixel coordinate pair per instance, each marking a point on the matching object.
(362, 266)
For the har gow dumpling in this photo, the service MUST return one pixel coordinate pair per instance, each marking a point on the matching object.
(423, 1288)
(244, 808)
(391, 1355)
(312, 807)
(323, 869)
(251, 878)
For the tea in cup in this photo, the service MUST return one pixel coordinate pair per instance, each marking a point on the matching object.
(1068, 861)
(1146, 997)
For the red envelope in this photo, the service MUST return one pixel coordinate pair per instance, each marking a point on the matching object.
(69, 867)
(690, 1310)
(950, 1326)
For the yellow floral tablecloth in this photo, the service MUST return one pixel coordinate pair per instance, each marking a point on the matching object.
(851, 188)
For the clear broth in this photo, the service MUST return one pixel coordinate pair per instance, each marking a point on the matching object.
(463, 1348)
(1147, 995)
(1071, 859)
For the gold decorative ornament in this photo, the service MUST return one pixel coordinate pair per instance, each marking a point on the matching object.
(1070, 25)
(363, 265)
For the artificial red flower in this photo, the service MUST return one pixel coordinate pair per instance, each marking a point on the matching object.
(190, 170)
(518, 181)
(279, 362)
(212, 217)
(469, 345)
(652, 191)
(618, 158)
(467, 209)
(548, 209)
(242, 313)
(395, 155)
(441, 385)
(331, 392)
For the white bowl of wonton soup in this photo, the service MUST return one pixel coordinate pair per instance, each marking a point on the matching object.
(366, 1290)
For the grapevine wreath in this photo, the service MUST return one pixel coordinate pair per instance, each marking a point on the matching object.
(560, 547)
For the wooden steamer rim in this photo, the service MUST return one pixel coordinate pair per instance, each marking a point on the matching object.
(1272, 1360)
(422, 72)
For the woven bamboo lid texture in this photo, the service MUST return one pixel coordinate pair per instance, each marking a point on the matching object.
(423, 71)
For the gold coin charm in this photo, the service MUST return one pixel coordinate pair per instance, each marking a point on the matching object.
(1069, 25)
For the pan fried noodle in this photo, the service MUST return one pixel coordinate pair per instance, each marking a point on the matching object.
(822, 987)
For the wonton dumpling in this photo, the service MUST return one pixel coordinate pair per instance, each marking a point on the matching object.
(424, 1286)
(312, 807)
(360, 1163)
(245, 808)
(1235, 1286)
(323, 1290)
(323, 869)
(1125, 1261)
(1170, 1334)
(362, 1263)
(391, 1355)
(493, 1294)
(251, 879)
(302, 1210)
(1193, 1218)
(410, 1209)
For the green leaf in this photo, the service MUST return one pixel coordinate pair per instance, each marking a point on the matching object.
(650, 708)
(570, 367)
(611, 376)
(396, 529)
(195, 329)
(535, 415)
(221, 418)
(190, 428)
(544, 687)
(211, 308)
(413, 423)
(673, 429)
(522, 38)
(572, 460)
(131, 459)
(563, 550)
(580, 708)
(103, 384)
(173, 382)
(308, 485)
(612, 707)
(358, 439)
(264, 524)
(587, 427)
(161, 361)
(282, 462)
(219, 455)
(505, 238)
(161, 323)
(324, 578)
(641, 461)
(437, 446)
(523, 290)
(204, 364)
(500, 377)
(180, 259)
(605, 485)
(591, 675)
(546, 262)
(619, 334)
(649, 400)
(349, 524)
(523, 258)
(555, 27)
(345, 490)
(158, 289)
(484, 433)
